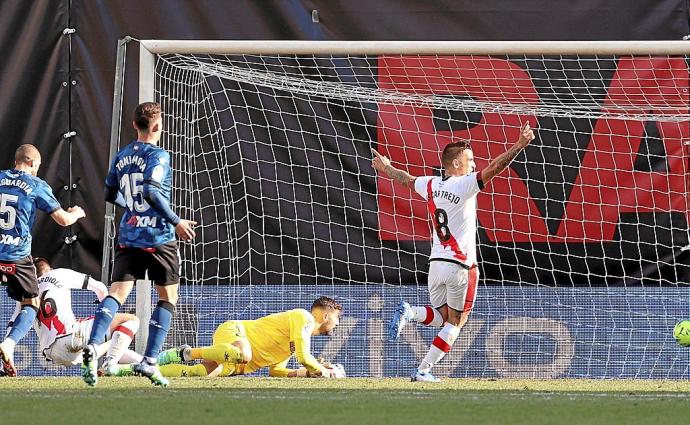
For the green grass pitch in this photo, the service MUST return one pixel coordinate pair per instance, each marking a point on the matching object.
(347, 401)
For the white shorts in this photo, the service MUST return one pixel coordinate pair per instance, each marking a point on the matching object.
(452, 284)
(66, 349)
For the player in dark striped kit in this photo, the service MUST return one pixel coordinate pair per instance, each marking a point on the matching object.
(140, 181)
(21, 193)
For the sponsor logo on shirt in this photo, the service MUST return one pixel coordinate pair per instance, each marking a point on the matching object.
(9, 240)
(142, 221)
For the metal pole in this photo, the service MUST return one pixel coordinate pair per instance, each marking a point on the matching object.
(147, 68)
(108, 230)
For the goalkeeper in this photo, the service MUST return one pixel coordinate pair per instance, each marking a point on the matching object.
(243, 346)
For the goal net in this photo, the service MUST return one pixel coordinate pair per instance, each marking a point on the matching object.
(582, 242)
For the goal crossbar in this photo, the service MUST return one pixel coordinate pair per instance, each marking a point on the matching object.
(646, 47)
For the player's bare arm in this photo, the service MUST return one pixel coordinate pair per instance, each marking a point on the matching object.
(69, 217)
(499, 164)
(382, 164)
(185, 229)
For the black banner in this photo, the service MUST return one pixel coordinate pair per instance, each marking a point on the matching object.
(54, 84)
(308, 207)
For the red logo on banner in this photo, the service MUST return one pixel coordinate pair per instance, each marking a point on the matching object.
(606, 185)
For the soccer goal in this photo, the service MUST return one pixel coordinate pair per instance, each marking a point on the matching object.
(583, 242)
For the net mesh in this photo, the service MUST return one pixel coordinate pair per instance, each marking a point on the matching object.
(582, 242)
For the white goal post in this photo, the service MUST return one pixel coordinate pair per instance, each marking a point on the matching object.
(581, 242)
(305, 47)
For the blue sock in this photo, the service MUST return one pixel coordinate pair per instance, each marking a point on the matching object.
(23, 322)
(158, 328)
(104, 316)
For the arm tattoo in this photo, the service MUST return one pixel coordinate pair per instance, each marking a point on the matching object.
(399, 176)
(503, 161)
(499, 164)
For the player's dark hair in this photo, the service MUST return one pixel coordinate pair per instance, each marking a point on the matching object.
(42, 266)
(451, 151)
(145, 113)
(328, 303)
(25, 153)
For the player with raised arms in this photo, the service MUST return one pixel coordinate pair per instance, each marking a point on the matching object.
(243, 346)
(140, 181)
(21, 193)
(61, 336)
(453, 274)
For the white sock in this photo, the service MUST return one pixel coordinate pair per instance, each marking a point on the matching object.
(187, 354)
(427, 316)
(439, 347)
(122, 337)
(129, 357)
(8, 346)
(101, 349)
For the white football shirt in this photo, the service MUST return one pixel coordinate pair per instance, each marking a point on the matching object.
(452, 204)
(55, 314)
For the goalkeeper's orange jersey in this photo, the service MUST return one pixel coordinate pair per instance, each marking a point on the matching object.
(276, 337)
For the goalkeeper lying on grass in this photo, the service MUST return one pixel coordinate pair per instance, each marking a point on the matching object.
(243, 346)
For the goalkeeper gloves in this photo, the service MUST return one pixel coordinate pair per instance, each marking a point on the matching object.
(329, 370)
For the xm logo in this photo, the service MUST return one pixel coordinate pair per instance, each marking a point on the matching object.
(142, 221)
(9, 240)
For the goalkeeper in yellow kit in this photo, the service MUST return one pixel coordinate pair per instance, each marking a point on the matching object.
(243, 346)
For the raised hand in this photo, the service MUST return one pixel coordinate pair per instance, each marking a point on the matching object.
(379, 162)
(526, 135)
(503, 160)
(382, 164)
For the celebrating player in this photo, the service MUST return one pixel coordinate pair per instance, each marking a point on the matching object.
(61, 336)
(21, 192)
(243, 346)
(140, 180)
(453, 274)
